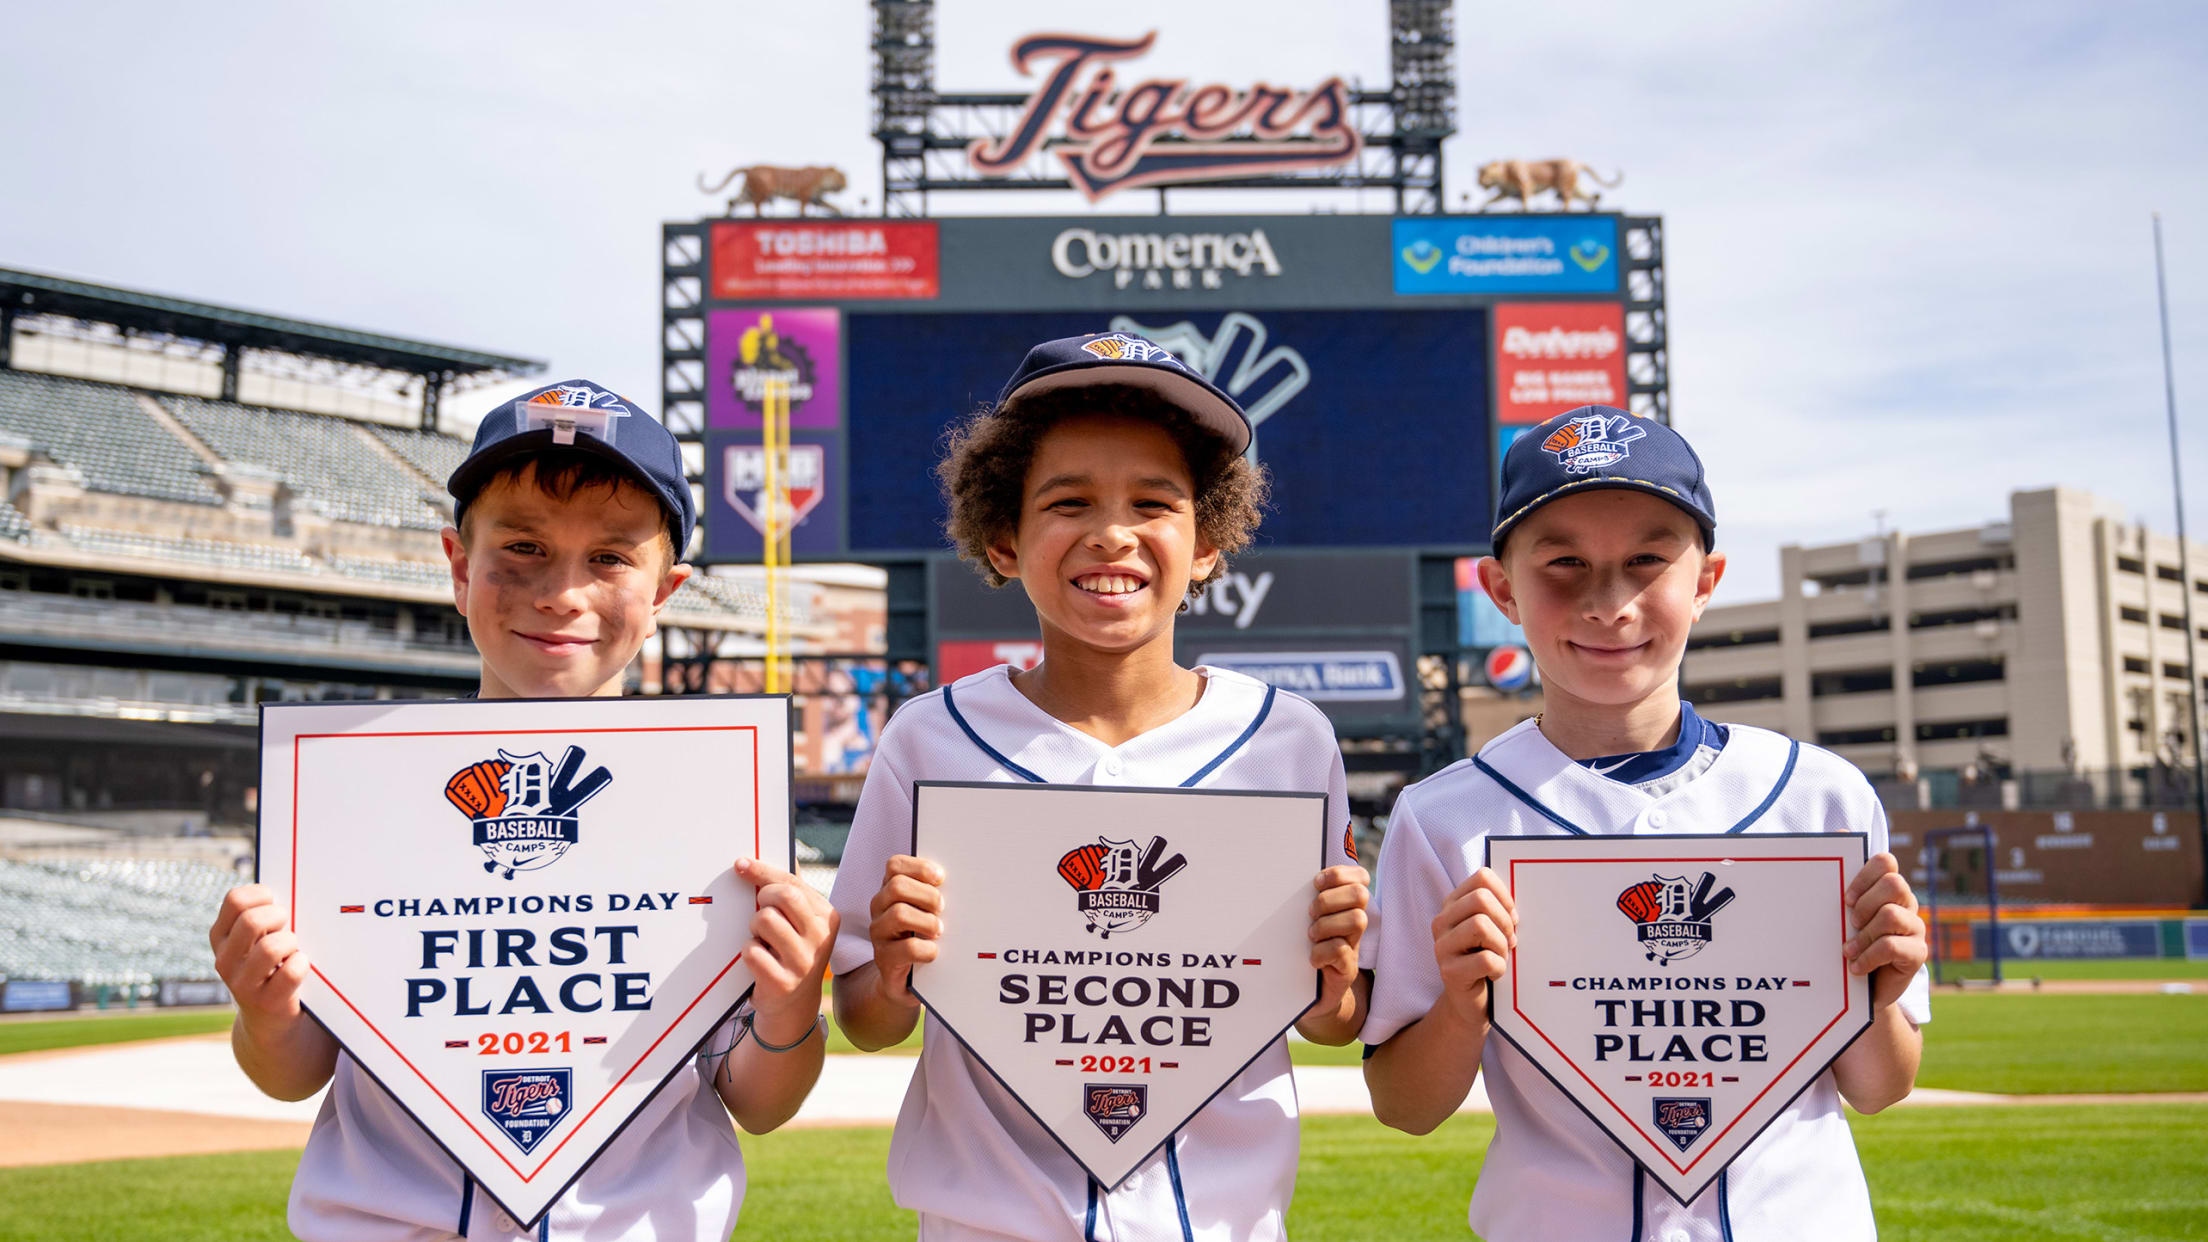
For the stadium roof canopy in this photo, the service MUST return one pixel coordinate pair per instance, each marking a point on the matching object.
(30, 293)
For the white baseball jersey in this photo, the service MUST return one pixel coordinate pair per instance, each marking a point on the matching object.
(966, 1156)
(372, 1174)
(1551, 1175)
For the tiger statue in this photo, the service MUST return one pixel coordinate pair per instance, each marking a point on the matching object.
(807, 187)
(1523, 179)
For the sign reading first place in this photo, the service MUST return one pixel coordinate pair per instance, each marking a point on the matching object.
(1115, 957)
(1682, 990)
(522, 916)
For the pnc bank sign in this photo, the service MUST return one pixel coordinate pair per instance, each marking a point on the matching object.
(1160, 131)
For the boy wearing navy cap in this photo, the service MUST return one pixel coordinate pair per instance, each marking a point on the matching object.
(571, 516)
(1605, 553)
(1108, 480)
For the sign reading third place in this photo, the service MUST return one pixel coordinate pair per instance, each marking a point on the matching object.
(1116, 956)
(1682, 990)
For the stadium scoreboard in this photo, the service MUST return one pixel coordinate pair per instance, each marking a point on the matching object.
(1385, 362)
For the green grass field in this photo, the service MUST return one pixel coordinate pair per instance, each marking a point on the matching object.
(2129, 1172)
(1970, 1174)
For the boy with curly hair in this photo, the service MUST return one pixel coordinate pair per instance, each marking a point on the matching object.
(1108, 480)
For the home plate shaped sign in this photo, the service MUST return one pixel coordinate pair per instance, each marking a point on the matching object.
(1116, 956)
(522, 914)
(1682, 990)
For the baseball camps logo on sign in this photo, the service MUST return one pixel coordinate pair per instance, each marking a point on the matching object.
(1112, 136)
(1236, 358)
(527, 1104)
(1590, 442)
(1115, 890)
(1683, 1066)
(1672, 924)
(523, 808)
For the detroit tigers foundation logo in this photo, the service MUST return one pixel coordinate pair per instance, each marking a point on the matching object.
(1672, 921)
(1116, 883)
(1683, 1120)
(526, 1105)
(523, 807)
(1592, 441)
(1115, 1107)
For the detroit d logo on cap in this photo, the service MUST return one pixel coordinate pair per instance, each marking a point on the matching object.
(1673, 922)
(523, 807)
(1116, 884)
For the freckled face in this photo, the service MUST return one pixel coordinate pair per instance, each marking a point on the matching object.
(1107, 543)
(560, 595)
(1606, 584)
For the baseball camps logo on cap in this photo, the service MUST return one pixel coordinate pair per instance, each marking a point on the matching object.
(1671, 923)
(523, 808)
(1115, 884)
(1120, 346)
(1592, 441)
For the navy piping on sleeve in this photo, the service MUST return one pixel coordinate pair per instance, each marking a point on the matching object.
(1793, 753)
(544, 1228)
(467, 1201)
(1724, 1209)
(1266, 709)
(1638, 1176)
(986, 748)
(1527, 798)
(1088, 1227)
(1180, 1197)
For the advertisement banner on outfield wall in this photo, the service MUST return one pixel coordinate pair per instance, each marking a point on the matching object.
(749, 352)
(1556, 356)
(1575, 253)
(824, 260)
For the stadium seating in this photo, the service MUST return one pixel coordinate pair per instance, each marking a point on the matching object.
(102, 432)
(99, 920)
(13, 525)
(325, 458)
(435, 576)
(217, 553)
(435, 454)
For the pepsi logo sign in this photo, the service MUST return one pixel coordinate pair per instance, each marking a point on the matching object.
(1509, 668)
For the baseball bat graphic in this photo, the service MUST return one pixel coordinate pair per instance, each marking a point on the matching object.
(1704, 905)
(1153, 873)
(566, 798)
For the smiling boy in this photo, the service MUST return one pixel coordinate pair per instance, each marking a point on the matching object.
(570, 512)
(1606, 555)
(1108, 480)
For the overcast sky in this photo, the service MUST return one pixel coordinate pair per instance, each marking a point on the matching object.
(1909, 247)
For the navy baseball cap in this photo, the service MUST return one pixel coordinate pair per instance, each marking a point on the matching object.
(581, 415)
(1600, 446)
(1124, 358)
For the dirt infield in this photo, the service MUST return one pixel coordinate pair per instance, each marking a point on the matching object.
(71, 1133)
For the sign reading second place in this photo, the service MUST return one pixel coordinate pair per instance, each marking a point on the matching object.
(1117, 956)
(1682, 990)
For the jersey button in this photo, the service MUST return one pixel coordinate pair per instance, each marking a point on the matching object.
(1676, 1235)
(1111, 765)
(1656, 819)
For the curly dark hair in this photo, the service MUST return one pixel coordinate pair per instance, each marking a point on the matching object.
(987, 454)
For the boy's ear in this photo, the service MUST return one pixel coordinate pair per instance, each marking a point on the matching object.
(456, 556)
(1713, 568)
(1495, 580)
(1004, 558)
(1206, 560)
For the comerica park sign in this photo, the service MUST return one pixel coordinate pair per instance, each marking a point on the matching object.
(1160, 131)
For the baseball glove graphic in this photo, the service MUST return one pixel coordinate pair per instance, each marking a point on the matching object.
(1084, 868)
(479, 789)
(1642, 902)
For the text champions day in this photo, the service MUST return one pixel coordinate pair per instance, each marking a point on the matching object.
(578, 962)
